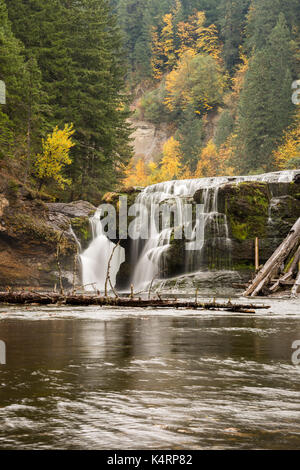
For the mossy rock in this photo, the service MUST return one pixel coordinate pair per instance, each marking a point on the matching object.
(114, 197)
(246, 206)
(285, 189)
(35, 230)
(82, 230)
(284, 212)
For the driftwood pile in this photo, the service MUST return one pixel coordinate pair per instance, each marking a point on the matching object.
(282, 270)
(31, 298)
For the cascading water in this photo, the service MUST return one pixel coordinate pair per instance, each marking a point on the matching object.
(95, 259)
(148, 255)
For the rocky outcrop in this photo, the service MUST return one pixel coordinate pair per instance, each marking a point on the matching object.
(76, 215)
(30, 227)
(148, 140)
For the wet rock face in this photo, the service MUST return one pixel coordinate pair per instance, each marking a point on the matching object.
(246, 206)
(29, 231)
(256, 209)
(243, 212)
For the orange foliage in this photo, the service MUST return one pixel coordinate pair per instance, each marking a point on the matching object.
(157, 61)
(287, 156)
(208, 162)
(167, 37)
(213, 162)
(171, 162)
(176, 83)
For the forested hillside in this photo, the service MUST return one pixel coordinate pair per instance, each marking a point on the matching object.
(64, 126)
(220, 74)
(217, 74)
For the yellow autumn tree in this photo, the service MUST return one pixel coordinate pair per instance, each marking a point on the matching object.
(287, 156)
(167, 39)
(178, 94)
(141, 173)
(196, 82)
(171, 161)
(226, 157)
(186, 33)
(130, 174)
(239, 77)
(208, 38)
(154, 173)
(49, 165)
(186, 173)
(136, 174)
(157, 61)
(208, 161)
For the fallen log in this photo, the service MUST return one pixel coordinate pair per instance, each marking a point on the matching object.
(25, 298)
(272, 267)
(285, 280)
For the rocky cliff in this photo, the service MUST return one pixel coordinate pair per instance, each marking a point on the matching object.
(148, 140)
(30, 228)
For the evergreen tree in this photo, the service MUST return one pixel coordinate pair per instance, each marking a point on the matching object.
(136, 19)
(210, 7)
(190, 135)
(12, 69)
(77, 48)
(232, 22)
(13, 73)
(97, 101)
(36, 109)
(265, 105)
(41, 26)
(224, 128)
(263, 16)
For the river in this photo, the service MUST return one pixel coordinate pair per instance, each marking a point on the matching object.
(91, 378)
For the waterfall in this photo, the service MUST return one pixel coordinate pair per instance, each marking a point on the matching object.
(95, 259)
(148, 255)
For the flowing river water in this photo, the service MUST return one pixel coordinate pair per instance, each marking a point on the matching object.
(91, 378)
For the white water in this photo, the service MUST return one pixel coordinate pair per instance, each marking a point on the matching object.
(148, 256)
(95, 259)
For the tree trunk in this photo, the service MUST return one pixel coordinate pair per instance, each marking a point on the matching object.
(84, 299)
(289, 274)
(273, 264)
